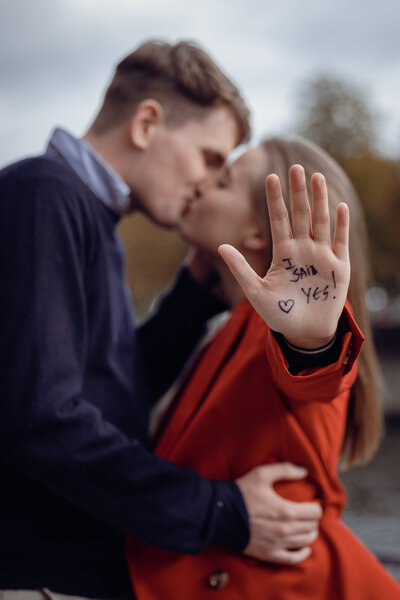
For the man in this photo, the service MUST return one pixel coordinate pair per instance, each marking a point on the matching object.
(77, 379)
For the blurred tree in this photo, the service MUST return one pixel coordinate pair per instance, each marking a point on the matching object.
(377, 182)
(153, 256)
(335, 116)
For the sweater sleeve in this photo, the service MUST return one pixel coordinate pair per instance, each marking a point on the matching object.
(168, 337)
(49, 429)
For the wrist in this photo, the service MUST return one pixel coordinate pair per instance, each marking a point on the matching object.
(310, 345)
(300, 359)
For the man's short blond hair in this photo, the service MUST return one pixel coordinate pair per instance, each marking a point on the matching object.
(182, 77)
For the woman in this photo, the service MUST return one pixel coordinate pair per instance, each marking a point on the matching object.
(281, 387)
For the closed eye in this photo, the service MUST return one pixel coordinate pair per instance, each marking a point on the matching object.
(213, 160)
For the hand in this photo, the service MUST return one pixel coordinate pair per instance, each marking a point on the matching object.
(280, 530)
(304, 291)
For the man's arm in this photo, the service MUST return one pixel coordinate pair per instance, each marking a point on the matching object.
(168, 336)
(49, 428)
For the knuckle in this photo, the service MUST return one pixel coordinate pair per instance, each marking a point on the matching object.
(286, 467)
(282, 529)
(308, 524)
(317, 512)
(285, 512)
(258, 475)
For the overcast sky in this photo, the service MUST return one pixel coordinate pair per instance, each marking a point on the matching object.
(57, 56)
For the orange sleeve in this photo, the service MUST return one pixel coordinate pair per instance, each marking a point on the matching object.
(318, 384)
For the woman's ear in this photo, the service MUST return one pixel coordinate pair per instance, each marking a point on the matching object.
(148, 116)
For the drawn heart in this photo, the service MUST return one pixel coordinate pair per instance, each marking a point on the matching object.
(286, 305)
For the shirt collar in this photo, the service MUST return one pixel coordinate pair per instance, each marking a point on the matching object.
(91, 167)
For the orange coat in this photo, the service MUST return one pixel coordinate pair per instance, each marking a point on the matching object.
(239, 410)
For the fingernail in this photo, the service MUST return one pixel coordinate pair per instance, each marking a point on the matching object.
(302, 471)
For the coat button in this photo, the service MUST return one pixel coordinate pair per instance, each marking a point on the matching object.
(218, 580)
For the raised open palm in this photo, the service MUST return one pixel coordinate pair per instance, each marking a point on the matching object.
(303, 293)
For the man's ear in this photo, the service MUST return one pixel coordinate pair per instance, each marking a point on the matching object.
(148, 116)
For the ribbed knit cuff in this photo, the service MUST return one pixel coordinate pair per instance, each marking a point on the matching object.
(300, 359)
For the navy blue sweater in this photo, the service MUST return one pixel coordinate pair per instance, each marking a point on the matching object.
(76, 381)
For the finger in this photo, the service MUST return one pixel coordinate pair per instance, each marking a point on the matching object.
(280, 532)
(301, 540)
(284, 530)
(320, 210)
(278, 214)
(281, 471)
(297, 511)
(341, 237)
(301, 214)
(287, 509)
(241, 270)
(288, 557)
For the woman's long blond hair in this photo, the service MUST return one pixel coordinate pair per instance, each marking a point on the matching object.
(364, 421)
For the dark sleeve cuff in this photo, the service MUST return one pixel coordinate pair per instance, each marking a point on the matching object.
(299, 359)
(232, 529)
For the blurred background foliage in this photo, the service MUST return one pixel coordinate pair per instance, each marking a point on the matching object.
(153, 256)
(337, 116)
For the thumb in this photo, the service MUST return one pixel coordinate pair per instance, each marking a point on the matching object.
(240, 269)
(284, 471)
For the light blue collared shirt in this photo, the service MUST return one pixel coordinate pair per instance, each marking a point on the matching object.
(92, 169)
